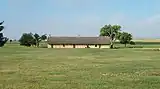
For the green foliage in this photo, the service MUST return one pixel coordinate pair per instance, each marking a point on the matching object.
(118, 35)
(1, 23)
(132, 43)
(110, 31)
(125, 38)
(37, 39)
(106, 30)
(10, 40)
(1, 27)
(43, 37)
(28, 39)
(3, 40)
(116, 28)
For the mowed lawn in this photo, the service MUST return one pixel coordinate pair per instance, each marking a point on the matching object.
(42, 68)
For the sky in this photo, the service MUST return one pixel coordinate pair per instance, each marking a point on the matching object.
(80, 17)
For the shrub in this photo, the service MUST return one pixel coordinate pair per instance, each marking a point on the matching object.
(132, 43)
(136, 47)
(156, 49)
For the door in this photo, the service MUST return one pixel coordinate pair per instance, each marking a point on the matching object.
(74, 46)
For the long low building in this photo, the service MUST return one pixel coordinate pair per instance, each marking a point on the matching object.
(78, 42)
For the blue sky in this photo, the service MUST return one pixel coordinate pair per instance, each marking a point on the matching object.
(80, 17)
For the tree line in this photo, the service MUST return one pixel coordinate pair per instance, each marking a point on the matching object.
(30, 39)
(112, 31)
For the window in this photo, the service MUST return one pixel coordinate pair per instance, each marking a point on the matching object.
(63, 45)
(95, 45)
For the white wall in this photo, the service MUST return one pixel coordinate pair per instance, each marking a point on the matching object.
(105, 46)
(49, 46)
(78, 46)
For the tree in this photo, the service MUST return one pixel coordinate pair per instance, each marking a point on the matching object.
(1, 27)
(10, 40)
(3, 40)
(125, 38)
(37, 39)
(132, 43)
(110, 31)
(118, 35)
(27, 39)
(43, 37)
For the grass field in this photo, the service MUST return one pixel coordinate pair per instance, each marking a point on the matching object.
(41, 68)
(145, 43)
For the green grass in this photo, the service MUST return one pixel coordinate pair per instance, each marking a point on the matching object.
(141, 44)
(41, 68)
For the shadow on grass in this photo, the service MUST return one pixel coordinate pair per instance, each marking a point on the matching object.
(121, 47)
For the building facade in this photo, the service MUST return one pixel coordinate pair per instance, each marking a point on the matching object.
(78, 42)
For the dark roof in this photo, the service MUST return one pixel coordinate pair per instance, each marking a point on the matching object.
(78, 40)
